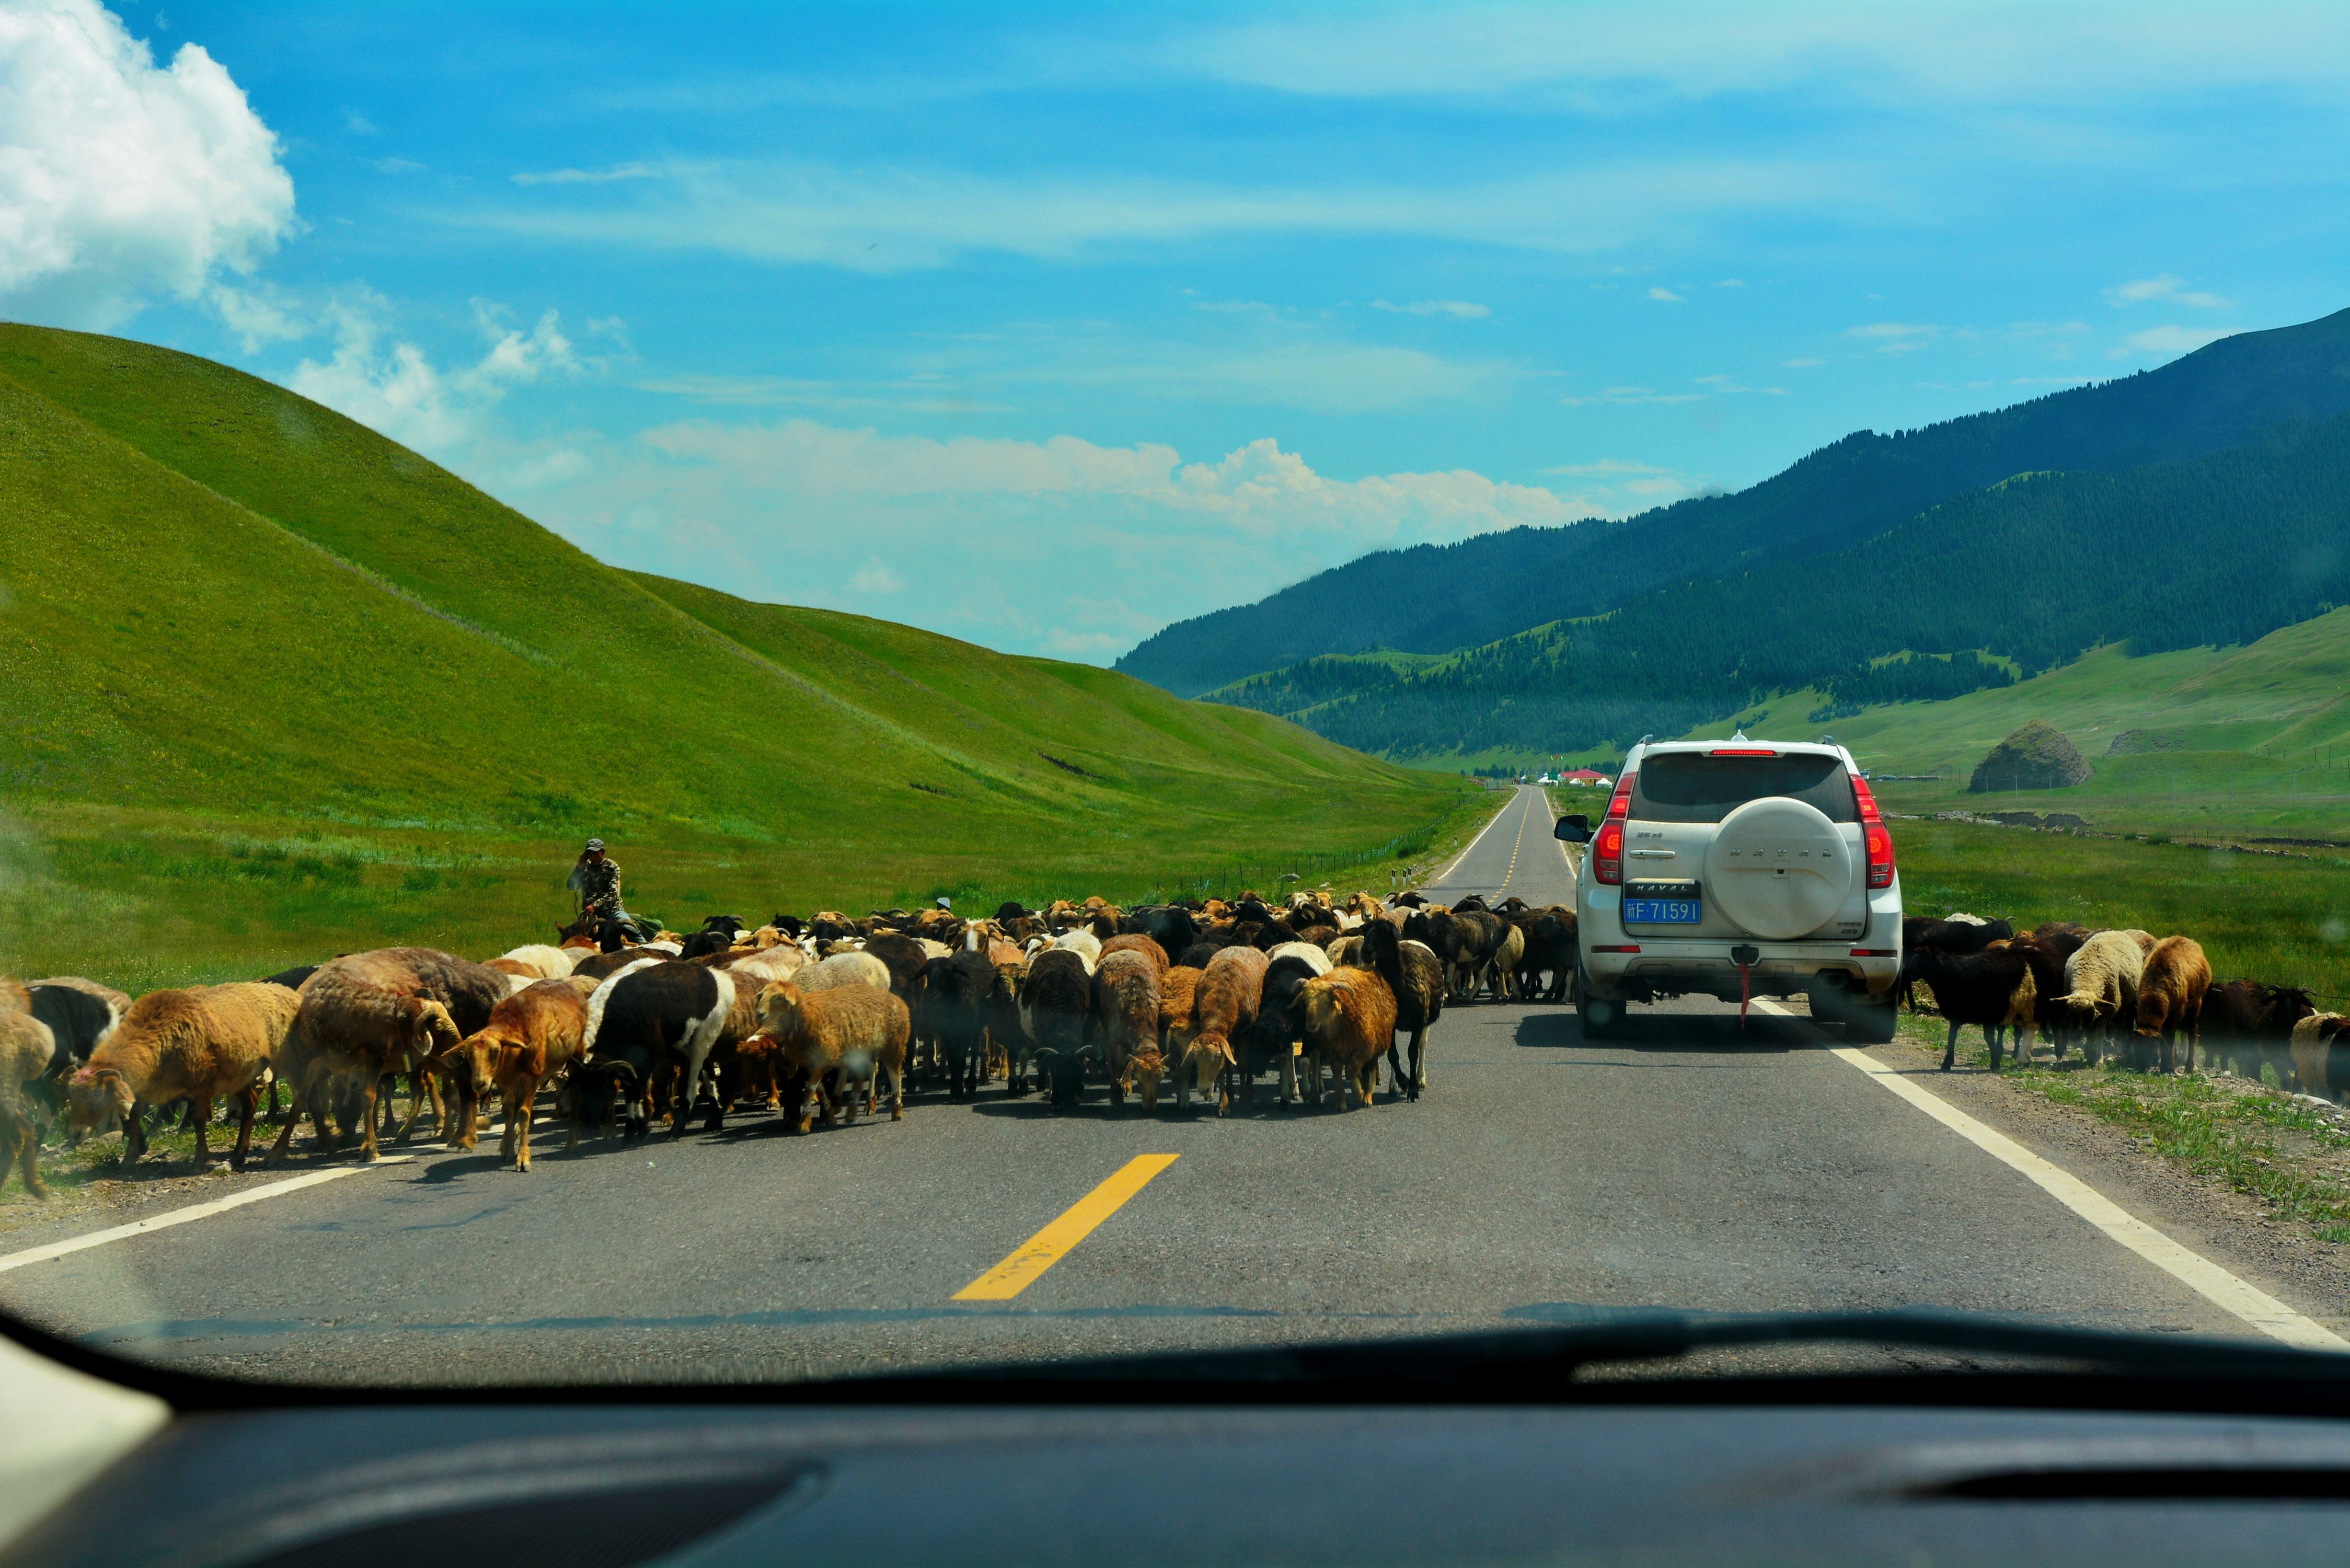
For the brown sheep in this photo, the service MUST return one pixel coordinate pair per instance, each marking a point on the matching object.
(13, 997)
(1125, 1019)
(2321, 1054)
(1350, 1021)
(848, 1034)
(2170, 998)
(1229, 991)
(25, 1047)
(1136, 942)
(366, 1015)
(531, 1035)
(196, 1044)
(1179, 991)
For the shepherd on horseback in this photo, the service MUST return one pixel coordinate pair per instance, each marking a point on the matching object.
(595, 882)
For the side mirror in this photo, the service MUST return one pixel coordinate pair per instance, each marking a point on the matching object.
(1575, 829)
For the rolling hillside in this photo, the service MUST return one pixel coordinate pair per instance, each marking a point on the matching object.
(1490, 587)
(219, 600)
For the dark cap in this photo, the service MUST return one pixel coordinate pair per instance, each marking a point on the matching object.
(595, 843)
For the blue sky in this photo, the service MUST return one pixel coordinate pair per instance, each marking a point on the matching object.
(1046, 325)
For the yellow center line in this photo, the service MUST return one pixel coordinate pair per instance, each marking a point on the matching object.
(1049, 1246)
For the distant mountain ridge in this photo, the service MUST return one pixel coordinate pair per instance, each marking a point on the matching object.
(2216, 551)
(1437, 599)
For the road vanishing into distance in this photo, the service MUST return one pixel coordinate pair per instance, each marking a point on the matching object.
(1694, 1165)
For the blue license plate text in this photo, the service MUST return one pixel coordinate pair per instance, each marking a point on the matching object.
(1663, 911)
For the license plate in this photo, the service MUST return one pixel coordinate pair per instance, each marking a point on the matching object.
(1663, 911)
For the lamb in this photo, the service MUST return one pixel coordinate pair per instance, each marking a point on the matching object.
(26, 1046)
(366, 1015)
(849, 1035)
(1350, 1021)
(1415, 978)
(2170, 991)
(197, 1045)
(2101, 988)
(1231, 989)
(1994, 989)
(2321, 1054)
(531, 1036)
(1125, 1019)
(2246, 1022)
(1057, 1005)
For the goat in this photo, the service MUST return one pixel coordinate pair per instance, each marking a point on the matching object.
(197, 1045)
(2170, 991)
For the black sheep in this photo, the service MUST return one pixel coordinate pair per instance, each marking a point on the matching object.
(2245, 1024)
(1994, 989)
(1417, 978)
(1056, 1002)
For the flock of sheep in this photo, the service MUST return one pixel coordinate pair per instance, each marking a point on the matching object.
(2126, 992)
(1214, 995)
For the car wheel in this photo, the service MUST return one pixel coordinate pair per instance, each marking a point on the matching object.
(1600, 1018)
(1870, 1023)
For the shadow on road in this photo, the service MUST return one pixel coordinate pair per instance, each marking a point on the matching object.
(1671, 1035)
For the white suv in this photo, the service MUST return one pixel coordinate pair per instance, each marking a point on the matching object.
(1738, 867)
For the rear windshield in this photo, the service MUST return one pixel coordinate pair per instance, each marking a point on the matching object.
(1689, 787)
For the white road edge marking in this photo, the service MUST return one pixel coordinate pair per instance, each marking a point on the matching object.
(194, 1211)
(1453, 865)
(2207, 1278)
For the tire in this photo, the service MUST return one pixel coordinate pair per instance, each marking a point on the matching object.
(1598, 1017)
(1870, 1023)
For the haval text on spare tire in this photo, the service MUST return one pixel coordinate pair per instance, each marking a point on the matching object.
(1739, 868)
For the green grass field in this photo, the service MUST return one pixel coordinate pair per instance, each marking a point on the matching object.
(271, 686)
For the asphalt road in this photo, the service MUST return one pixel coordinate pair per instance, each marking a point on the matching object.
(1692, 1165)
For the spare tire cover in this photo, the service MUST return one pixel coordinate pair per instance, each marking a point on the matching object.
(1779, 868)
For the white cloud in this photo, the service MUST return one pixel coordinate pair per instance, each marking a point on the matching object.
(1031, 546)
(1890, 55)
(2168, 288)
(888, 219)
(2173, 339)
(1802, 364)
(1459, 309)
(392, 386)
(1664, 294)
(1894, 330)
(878, 577)
(359, 124)
(399, 166)
(119, 180)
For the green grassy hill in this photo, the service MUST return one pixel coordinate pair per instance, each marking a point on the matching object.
(235, 623)
(2225, 742)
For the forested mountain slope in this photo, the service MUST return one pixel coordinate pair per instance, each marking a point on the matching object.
(2220, 550)
(1434, 599)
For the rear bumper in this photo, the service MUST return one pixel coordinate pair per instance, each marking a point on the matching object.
(1672, 966)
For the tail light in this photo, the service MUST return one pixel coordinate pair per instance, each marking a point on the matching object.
(1608, 849)
(1875, 834)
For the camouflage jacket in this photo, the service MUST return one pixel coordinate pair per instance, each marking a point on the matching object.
(600, 886)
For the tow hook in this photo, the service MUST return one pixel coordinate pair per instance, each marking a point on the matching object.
(1746, 956)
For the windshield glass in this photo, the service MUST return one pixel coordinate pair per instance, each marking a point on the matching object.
(754, 694)
(1691, 786)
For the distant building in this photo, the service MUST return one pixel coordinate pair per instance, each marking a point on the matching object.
(1584, 776)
